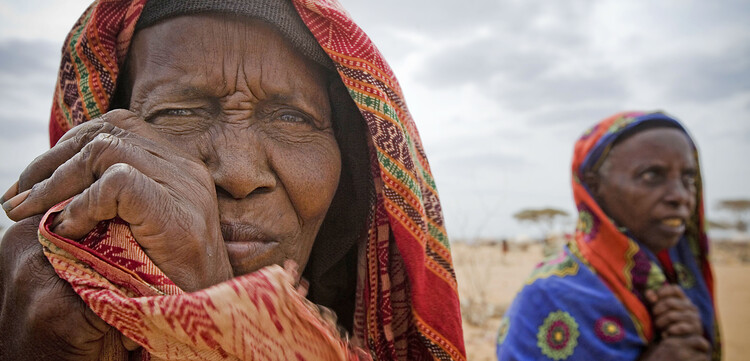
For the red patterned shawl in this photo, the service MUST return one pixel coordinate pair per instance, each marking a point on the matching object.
(258, 316)
(407, 303)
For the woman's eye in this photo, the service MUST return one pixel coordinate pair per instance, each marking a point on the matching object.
(689, 179)
(649, 176)
(292, 118)
(178, 112)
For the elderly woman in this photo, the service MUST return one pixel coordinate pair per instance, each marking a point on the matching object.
(635, 283)
(197, 146)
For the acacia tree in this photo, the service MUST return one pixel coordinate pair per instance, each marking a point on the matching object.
(718, 224)
(740, 208)
(545, 217)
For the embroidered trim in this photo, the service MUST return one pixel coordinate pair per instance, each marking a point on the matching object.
(503, 331)
(562, 265)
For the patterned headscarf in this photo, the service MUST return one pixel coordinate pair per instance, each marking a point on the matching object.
(406, 303)
(620, 260)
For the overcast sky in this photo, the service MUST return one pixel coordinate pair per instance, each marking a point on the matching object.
(500, 90)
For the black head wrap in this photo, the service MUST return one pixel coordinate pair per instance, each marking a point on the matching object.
(279, 13)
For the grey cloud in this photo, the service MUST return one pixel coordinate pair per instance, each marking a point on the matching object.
(442, 18)
(19, 127)
(479, 61)
(22, 58)
(26, 82)
(575, 117)
(487, 161)
(522, 64)
(27, 95)
(517, 48)
(27, 75)
(485, 141)
(708, 77)
(470, 154)
(561, 90)
(8, 174)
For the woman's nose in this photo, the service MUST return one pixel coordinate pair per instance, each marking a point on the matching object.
(240, 167)
(678, 193)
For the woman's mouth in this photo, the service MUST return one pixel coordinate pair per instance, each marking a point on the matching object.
(673, 222)
(673, 225)
(248, 247)
(241, 232)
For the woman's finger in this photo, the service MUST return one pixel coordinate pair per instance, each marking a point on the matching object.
(72, 142)
(669, 290)
(673, 317)
(698, 343)
(10, 193)
(79, 172)
(672, 303)
(683, 329)
(119, 192)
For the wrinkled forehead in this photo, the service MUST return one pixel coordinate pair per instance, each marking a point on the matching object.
(219, 54)
(235, 61)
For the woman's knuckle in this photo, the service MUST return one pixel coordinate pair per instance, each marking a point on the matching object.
(94, 148)
(108, 144)
(117, 115)
(681, 328)
(117, 177)
(85, 133)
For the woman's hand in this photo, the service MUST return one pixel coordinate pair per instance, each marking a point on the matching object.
(673, 313)
(118, 165)
(679, 324)
(41, 318)
(691, 348)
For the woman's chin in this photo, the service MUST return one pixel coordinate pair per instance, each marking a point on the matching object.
(664, 241)
(247, 257)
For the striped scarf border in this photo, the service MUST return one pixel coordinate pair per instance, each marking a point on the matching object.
(409, 212)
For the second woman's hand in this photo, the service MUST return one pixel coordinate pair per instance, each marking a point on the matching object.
(678, 323)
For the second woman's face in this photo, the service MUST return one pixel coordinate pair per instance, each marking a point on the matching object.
(647, 184)
(237, 96)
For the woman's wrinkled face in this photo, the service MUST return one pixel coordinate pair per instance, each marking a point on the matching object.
(236, 95)
(647, 184)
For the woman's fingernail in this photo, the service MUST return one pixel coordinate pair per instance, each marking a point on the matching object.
(12, 191)
(16, 200)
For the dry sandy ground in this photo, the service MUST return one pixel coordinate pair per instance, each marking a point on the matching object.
(487, 284)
